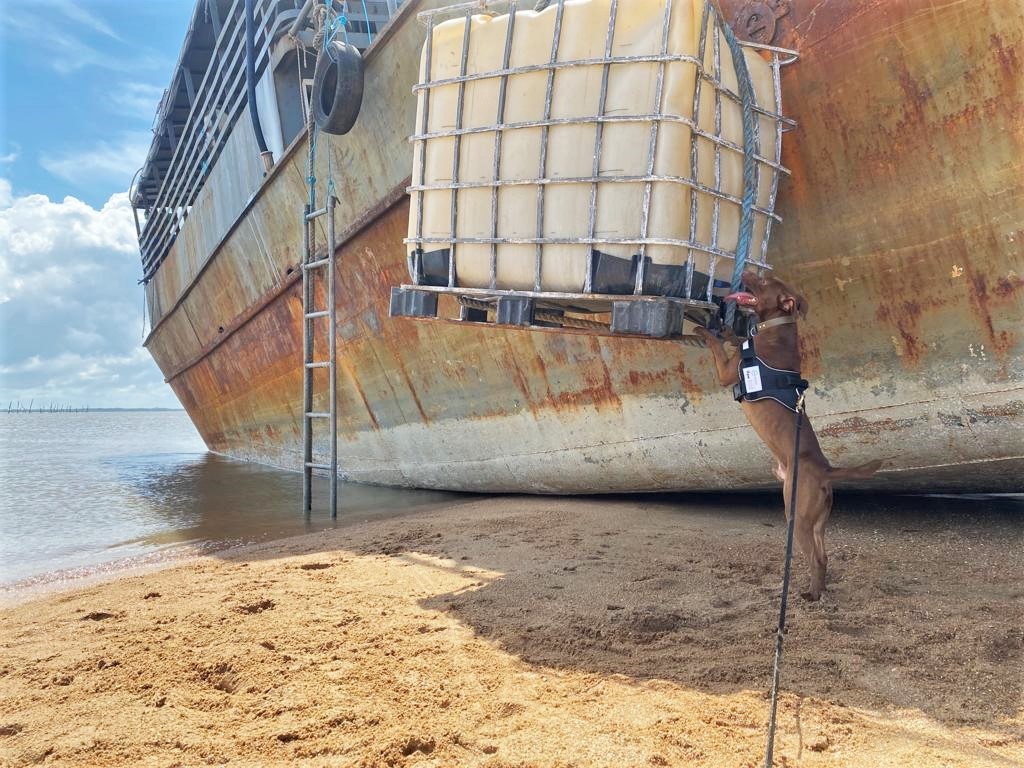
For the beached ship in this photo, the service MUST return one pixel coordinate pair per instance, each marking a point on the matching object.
(902, 226)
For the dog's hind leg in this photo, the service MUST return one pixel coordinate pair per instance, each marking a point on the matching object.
(814, 502)
(820, 555)
(803, 530)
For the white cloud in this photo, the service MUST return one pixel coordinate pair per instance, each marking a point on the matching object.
(11, 156)
(136, 100)
(82, 16)
(106, 161)
(70, 306)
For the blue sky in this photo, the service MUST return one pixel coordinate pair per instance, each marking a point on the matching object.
(79, 84)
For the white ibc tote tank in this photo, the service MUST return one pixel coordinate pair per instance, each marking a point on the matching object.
(508, 188)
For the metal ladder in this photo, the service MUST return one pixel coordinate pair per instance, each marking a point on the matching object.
(310, 364)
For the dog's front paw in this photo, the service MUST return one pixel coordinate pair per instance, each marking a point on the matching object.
(729, 337)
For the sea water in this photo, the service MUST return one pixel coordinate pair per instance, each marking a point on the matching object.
(85, 492)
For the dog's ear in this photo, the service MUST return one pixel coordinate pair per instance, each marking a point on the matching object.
(802, 306)
(793, 302)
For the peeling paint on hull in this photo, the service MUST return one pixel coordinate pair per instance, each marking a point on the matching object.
(902, 226)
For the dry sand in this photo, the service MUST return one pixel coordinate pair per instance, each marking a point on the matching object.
(538, 632)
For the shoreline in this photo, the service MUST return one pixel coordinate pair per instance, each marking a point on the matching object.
(171, 546)
(518, 631)
(62, 580)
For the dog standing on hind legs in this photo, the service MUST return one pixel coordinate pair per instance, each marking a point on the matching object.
(767, 382)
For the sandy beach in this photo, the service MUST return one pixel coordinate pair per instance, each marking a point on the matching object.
(539, 632)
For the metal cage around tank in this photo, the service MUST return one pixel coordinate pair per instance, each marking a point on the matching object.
(696, 299)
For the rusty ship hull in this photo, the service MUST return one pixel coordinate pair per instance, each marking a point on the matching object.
(903, 225)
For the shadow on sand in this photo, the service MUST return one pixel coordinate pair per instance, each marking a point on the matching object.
(925, 608)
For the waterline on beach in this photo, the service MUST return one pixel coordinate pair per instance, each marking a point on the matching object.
(87, 493)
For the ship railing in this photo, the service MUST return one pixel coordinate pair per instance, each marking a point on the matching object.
(419, 298)
(215, 106)
(218, 102)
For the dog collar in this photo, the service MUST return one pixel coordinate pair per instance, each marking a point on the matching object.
(784, 320)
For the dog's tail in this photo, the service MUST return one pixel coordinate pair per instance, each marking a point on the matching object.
(855, 473)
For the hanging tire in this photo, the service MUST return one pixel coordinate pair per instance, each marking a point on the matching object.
(337, 87)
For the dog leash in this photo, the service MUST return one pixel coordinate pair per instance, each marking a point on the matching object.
(780, 632)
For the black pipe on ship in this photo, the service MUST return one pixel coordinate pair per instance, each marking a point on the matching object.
(250, 83)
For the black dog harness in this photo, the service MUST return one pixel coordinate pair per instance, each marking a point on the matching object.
(759, 381)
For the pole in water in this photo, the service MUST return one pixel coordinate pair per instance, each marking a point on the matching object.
(787, 570)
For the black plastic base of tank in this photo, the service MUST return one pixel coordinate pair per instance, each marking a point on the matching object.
(615, 274)
(657, 319)
(409, 303)
(609, 275)
(514, 310)
(433, 267)
(472, 315)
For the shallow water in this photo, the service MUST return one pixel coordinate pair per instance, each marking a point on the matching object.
(82, 491)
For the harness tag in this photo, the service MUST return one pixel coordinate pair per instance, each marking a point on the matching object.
(746, 344)
(752, 379)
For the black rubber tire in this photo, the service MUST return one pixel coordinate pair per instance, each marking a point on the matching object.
(337, 87)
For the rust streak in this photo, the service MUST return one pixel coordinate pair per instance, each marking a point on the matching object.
(411, 386)
(511, 366)
(906, 317)
(692, 388)
(857, 425)
(1007, 287)
(343, 363)
(1002, 341)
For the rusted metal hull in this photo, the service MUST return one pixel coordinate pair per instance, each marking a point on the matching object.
(902, 224)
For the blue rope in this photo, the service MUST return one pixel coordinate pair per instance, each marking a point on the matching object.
(747, 101)
(331, 29)
(331, 26)
(366, 18)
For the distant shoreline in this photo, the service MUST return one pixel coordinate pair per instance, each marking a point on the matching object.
(83, 409)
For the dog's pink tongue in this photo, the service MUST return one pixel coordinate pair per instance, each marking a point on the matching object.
(743, 298)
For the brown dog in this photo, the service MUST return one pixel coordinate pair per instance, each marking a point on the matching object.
(776, 306)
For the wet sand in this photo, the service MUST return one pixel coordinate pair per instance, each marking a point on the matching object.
(540, 632)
